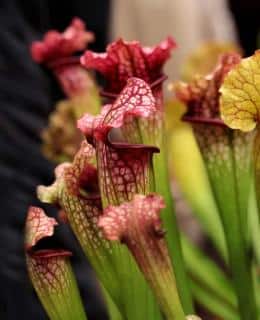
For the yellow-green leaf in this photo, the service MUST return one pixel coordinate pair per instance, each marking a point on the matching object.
(240, 99)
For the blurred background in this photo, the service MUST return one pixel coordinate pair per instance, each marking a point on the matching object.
(28, 94)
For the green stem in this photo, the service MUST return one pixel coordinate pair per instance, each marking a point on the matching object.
(257, 287)
(212, 303)
(137, 299)
(154, 135)
(113, 311)
(172, 231)
(254, 226)
(207, 274)
(194, 184)
(217, 148)
(256, 160)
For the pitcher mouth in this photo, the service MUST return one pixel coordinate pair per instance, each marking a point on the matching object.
(50, 253)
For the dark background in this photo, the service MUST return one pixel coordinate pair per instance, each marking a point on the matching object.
(27, 95)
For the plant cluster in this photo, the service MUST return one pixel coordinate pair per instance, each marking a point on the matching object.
(112, 184)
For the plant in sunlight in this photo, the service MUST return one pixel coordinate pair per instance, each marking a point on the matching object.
(114, 190)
